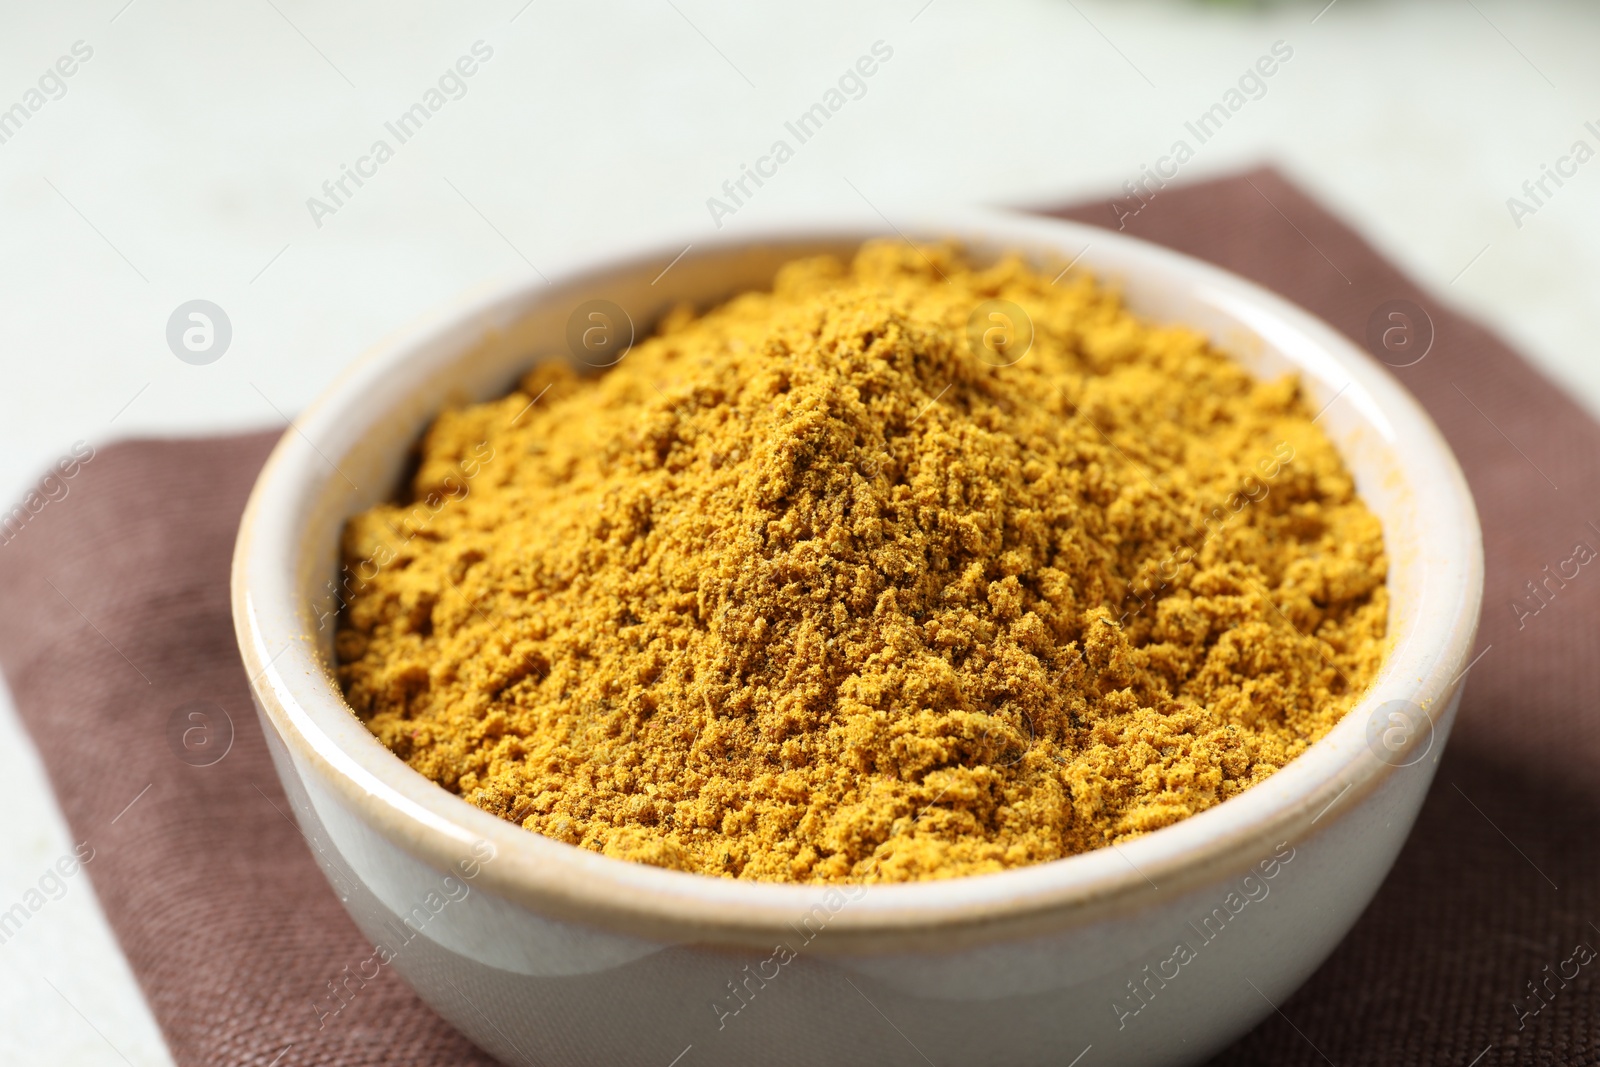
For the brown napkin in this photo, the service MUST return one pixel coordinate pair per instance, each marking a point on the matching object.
(117, 634)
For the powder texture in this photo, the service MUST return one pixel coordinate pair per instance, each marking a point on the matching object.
(809, 587)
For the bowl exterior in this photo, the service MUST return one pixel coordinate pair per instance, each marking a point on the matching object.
(1169, 985)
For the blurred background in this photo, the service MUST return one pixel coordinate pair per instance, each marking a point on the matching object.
(178, 160)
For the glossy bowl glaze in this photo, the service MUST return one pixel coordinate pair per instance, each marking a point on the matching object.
(1156, 951)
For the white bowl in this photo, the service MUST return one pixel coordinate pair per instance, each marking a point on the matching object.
(546, 953)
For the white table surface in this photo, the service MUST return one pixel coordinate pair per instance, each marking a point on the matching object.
(178, 164)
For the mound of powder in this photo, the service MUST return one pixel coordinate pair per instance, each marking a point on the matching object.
(810, 587)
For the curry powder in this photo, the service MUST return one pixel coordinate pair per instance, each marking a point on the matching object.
(822, 585)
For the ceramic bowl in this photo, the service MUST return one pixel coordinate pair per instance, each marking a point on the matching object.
(1157, 951)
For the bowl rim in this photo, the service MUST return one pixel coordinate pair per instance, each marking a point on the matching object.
(303, 706)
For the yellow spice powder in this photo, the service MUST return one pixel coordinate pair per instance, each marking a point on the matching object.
(808, 588)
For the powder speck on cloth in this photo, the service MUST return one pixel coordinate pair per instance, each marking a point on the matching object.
(828, 584)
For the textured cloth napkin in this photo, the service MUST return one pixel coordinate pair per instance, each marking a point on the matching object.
(117, 638)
